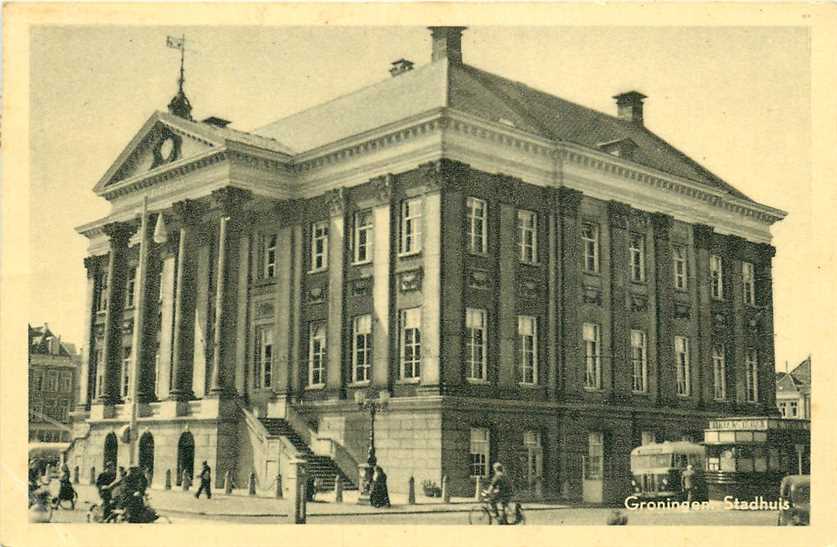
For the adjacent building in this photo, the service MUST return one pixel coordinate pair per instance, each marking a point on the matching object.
(521, 278)
(53, 385)
(793, 391)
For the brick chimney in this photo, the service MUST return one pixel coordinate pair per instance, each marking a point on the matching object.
(447, 43)
(629, 106)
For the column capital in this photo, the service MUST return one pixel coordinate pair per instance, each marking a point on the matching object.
(569, 201)
(765, 251)
(661, 223)
(91, 264)
(618, 214)
(702, 235)
(119, 232)
(337, 199)
(735, 245)
(382, 187)
(444, 173)
(188, 211)
(229, 199)
(289, 212)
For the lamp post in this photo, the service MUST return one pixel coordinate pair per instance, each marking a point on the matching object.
(373, 405)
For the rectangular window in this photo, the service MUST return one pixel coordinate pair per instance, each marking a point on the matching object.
(681, 268)
(362, 348)
(363, 237)
(161, 288)
(749, 279)
(37, 380)
(130, 287)
(793, 409)
(527, 334)
(590, 239)
(783, 408)
(639, 361)
(480, 451)
(319, 246)
(592, 358)
(263, 352)
(63, 410)
(316, 353)
(36, 410)
(752, 376)
(100, 374)
(681, 355)
(637, 257)
(475, 344)
(477, 225)
(410, 240)
(66, 382)
(267, 255)
(527, 236)
(716, 272)
(410, 339)
(594, 463)
(126, 371)
(102, 291)
(157, 371)
(52, 380)
(719, 371)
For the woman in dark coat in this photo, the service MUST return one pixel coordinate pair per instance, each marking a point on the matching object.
(66, 492)
(379, 497)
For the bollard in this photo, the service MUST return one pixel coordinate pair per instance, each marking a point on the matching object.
(478, 489)
(279, 486)
(445, 489)
(187, 481)
(92, 475)
(297, 485)
(168, 479)
(411, 491)
(252, 484)
(338, 489)
(75, 474)
(228, 483)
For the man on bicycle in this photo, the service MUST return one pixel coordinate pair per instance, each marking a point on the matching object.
(103, 482)
(500, 492)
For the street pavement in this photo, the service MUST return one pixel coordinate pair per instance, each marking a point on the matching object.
(180, 507)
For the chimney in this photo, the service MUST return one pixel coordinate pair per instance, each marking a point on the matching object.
(447, 43)
(400, 67)
(629, 106)
(217, 122)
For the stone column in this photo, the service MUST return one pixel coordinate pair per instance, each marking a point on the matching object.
(242, 304)
(664, 310)
(734, 314)
(764, 298)
(570, 271)
(287, 292)
(699, 276)
(553, 320)
(119, 234)
(144, 340)
(336, 274)
(619, 366)
(229, 200)
(85, 382)
(169, 265)
(382, 319)
(506, 313)
(188, 213)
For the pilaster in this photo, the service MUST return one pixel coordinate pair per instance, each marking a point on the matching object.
(570, 298)
(336, 275)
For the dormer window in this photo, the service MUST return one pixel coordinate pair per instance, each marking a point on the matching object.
(621, 148)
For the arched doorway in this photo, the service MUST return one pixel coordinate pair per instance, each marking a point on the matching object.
(111, 451)
(185, 456)
(146, 452)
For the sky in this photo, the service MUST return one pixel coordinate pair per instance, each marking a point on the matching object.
(736, 99)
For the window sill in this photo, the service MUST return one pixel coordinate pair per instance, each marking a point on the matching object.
(716, 400)
(643, 393)
(408, 381)
(409, 254)
(684, 290)
(535, 264)
(264, 281)
(639, 281)
(314, 387)
(684, 395)
(477, 381)
(362, 383)
(478, 253)
(362, 262)
(589, 389)
(321, 270)
(529, 385)
(591, 272)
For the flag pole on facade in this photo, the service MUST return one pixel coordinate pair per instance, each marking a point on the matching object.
(136, 345)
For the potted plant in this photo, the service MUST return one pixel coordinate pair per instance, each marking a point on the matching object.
(431, 489)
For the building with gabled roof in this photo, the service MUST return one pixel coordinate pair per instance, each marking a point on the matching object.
(515, 277)
(793, 391)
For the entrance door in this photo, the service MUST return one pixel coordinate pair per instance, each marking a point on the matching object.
(185, 456)
(111, 451)
(593, 468)
(146, 453)
(534, 467)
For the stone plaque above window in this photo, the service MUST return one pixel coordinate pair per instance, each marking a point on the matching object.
(409, 281)
(479, 279)
(528, 288)
(128, 324)
(639, 302)
(591, 295)
(264, 310)
(681, 310)
(362, 286)
(719, 319)
(316, 295)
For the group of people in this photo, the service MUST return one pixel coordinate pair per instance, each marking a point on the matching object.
(39, 486)
(125, 490)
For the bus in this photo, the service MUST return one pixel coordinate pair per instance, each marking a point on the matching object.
(656, 469)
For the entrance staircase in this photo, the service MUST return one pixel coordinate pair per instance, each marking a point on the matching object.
(322, 467)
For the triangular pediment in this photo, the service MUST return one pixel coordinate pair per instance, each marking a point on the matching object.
(164, 139)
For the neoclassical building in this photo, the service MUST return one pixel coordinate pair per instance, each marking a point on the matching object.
(524, 279)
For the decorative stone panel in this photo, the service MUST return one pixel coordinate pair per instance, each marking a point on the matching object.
(409, 281)
(479, 279)
(592, 295)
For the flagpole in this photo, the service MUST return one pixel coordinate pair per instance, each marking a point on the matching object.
(136, 345)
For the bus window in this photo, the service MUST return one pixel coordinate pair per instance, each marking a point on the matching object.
(727, 460)
(744, 460)
(773, 463)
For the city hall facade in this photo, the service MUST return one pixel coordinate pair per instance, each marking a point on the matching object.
(524, 279)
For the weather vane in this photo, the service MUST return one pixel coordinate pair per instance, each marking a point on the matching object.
(180, 105)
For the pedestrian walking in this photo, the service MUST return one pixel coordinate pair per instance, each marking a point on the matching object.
(688, 480)
(379, 494)
(206, 481)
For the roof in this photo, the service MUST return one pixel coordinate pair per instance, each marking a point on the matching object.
(40, 338)
(209, 130)
(468, 89)
(802, 372)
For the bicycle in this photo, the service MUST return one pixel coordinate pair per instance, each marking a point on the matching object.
(484, 514)
(119, 514)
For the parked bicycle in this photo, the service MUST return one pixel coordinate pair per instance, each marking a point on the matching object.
(484, 514)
